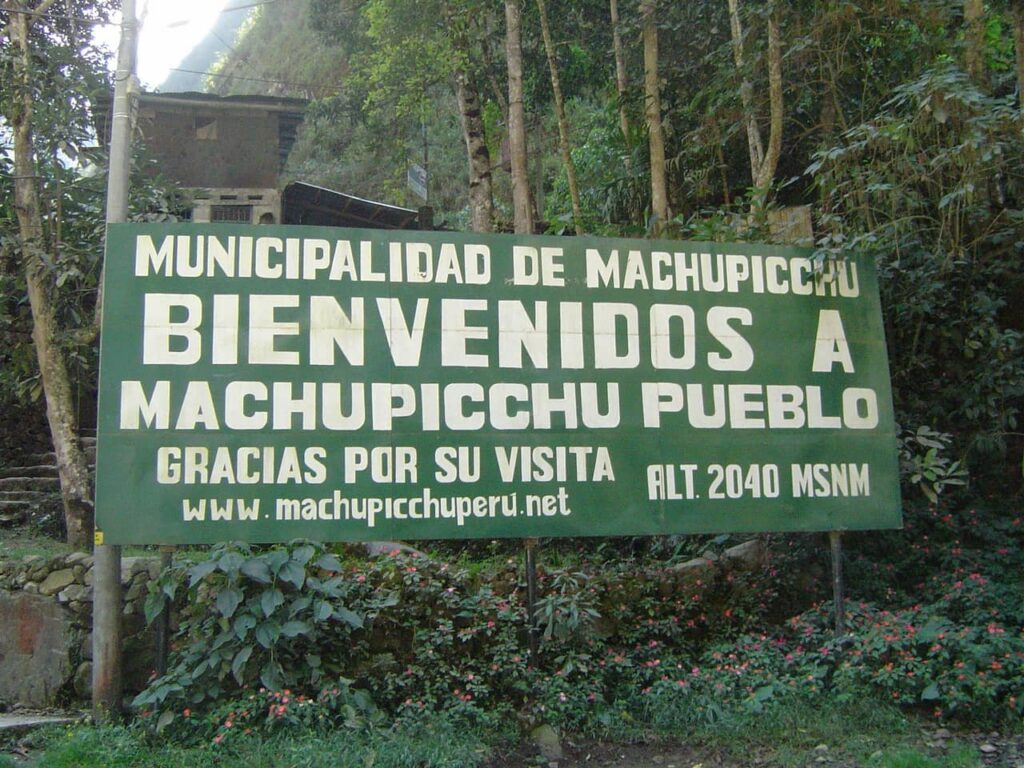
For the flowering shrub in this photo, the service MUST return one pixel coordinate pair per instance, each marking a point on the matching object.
(264, 712)
(626, 639)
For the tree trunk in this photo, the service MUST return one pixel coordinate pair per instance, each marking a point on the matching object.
(754, 147)
(770, 161)
(974, 56)
(652, 110)
(481, 200)
(1018, 39)
(763, 162)
(621, 82)
(563, 124)
(75, 484)
(517, 119)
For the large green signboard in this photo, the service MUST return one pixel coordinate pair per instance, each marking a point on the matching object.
(271, 383)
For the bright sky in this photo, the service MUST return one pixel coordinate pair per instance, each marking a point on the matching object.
(170, 29)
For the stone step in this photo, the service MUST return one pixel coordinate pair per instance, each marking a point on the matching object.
(14, 511)
(44, 484)
(11, 724)
(51, 458)
(24, 495)
(37, 470)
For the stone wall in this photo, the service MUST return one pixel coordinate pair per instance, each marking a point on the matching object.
(46, 627)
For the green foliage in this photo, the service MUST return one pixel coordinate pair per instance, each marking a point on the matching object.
(931, 471)
(425, 743)
(959, 757)
(280, 618)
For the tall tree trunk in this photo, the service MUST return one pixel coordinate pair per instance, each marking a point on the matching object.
(621, 82)
(517, 119)
(754, 147)
(481, 199)
(75, 484)
(652, 110)
(1018, 39)
(763, 162)
(770, 161)
(974, 56)
(563, 124)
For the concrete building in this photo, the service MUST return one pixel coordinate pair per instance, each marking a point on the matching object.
(231, 150)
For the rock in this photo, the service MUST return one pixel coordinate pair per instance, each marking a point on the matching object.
(690, 566)
(547, 741)
(988, 749)
(821, 748)
(31, 588)
(77, 558)
(943, 733)
(34, 649)
(130, 566)
(57, 581)
(75, 593)
(377, 548)
(136, 590)
(749, 555)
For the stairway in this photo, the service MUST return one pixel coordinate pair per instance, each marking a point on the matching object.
(30, 490)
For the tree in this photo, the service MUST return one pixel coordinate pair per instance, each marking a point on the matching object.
(621, 81)
(521, 208)
(762, 161)
(652, 110)
(563, 124)
(39, 60)
(974, 58)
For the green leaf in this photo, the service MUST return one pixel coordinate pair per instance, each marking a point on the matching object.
(267, 633)
(238, 663)
(322, 610)
(228, 600)
(276, 558)
(328, 562)
(303, 554)
(272, 676)
(154, 606)
(298, 605)
(931, 692)
(295, 628)
(243, 624)
(764, 693)
(350, 618)
(256, 568)
(166, 718)
(293, 573)
(201, 570)
(230, 562)
(270, 600)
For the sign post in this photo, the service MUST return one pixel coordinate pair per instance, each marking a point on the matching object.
(270, 383)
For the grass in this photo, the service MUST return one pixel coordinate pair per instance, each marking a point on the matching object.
(429, 745)
(960, 756)
(862, 732)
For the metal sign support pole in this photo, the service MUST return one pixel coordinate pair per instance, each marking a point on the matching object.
(107, 669)
(163, 621)
(835, 539)
(531, 598)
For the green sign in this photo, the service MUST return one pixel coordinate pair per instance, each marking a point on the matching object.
(271, 383)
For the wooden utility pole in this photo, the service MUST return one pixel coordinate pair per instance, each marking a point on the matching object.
(107, 671)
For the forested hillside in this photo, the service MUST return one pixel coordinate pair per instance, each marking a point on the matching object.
(897, 122)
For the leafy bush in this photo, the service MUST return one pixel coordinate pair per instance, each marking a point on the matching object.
(279, 617)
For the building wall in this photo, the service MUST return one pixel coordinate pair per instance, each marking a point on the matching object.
(216, 148)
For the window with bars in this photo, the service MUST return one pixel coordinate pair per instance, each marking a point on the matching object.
(240, 213)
